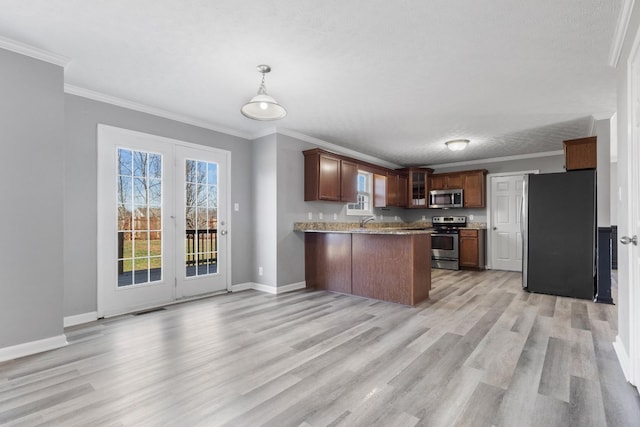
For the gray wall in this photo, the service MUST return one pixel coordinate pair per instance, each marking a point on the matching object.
(292, 208)
(31, 196)
(265, 184)
(80, 258)
(603, 131)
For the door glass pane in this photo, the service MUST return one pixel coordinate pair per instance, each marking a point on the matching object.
(201, 217)
(139, 206)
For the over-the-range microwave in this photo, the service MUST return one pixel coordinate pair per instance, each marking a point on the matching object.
(445, 198)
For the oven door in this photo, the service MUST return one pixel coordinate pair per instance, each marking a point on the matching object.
(444, 246)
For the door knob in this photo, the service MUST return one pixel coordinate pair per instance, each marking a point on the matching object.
(625, 240)
(223, 232)
(495, 228)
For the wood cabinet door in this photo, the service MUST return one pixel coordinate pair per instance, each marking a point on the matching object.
(348, 181)
(329, 178)
(468, 251)
(392, 189)
(403, 188)
(418, 189)
(580, 153)
(379, 191)
(454, 181)
(437, 182)
(474, 190)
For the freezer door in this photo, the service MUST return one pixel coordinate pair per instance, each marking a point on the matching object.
(561, 234)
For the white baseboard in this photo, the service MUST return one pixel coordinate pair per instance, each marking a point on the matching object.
(291, 287)
(268, 289)
(242, 286)
(623, 358)
(79, 319)
(32, 347)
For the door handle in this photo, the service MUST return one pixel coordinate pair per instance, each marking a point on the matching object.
(495, 228)
(625, 240)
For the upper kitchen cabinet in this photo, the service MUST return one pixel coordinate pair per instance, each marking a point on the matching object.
(446, 181)
(473, 186)
(397, 189)
(329, 177)
(418, 187)
(380, 191)
(471, 182)
(580, 153)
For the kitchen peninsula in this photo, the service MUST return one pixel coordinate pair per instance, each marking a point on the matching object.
(389, 264)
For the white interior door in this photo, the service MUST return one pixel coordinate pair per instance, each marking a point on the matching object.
(162, 220)
(135, 228)
(630, 267)
(201, 221)
(505, 235)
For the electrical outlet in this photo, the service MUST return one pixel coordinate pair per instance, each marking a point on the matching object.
(260, 271)
(471, 217)
(236, 207)
(335, 216)
(320, 215)
(395, 218)
(310, 216)
(424, 218)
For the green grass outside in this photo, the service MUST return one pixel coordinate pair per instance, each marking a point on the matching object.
(143, 258)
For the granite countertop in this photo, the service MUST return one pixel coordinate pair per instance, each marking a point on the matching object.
(477, 225)
(417, 227)
(396, 228)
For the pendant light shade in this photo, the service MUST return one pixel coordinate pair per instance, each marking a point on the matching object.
(457, 144)
(263, 106)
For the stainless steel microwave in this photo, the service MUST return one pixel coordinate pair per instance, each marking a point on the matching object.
(439, 199)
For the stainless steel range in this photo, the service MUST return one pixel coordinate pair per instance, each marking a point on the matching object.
(445, 251)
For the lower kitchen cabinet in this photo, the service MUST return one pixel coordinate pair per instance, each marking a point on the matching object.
(327, 263)
(393, 267)
(472, 252)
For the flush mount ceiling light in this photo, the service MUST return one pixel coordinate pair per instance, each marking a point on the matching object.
(457, 144)
(262, 106)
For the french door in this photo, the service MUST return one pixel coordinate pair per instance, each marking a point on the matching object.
(200, 221)
(162, 220)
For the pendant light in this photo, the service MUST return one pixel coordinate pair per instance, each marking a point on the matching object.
(457, 144)
(263, 106)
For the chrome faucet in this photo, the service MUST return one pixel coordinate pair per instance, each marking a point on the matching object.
(364, 221)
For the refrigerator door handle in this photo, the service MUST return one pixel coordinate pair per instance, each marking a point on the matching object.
(524, 229)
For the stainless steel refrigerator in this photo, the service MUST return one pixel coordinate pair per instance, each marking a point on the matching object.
(559, 233)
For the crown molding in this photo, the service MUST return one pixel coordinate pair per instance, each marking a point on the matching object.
(603, 116)
(264, 132)
(120, 102)
(337, 148)
(33, 52)
(621, 31)
(499, 159)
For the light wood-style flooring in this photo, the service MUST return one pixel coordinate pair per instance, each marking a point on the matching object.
(480, 352)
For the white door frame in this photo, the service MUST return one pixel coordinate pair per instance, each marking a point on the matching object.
(629, 225)
(488, 211)
(102, 206)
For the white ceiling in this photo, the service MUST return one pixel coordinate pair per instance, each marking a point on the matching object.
(391, 79)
